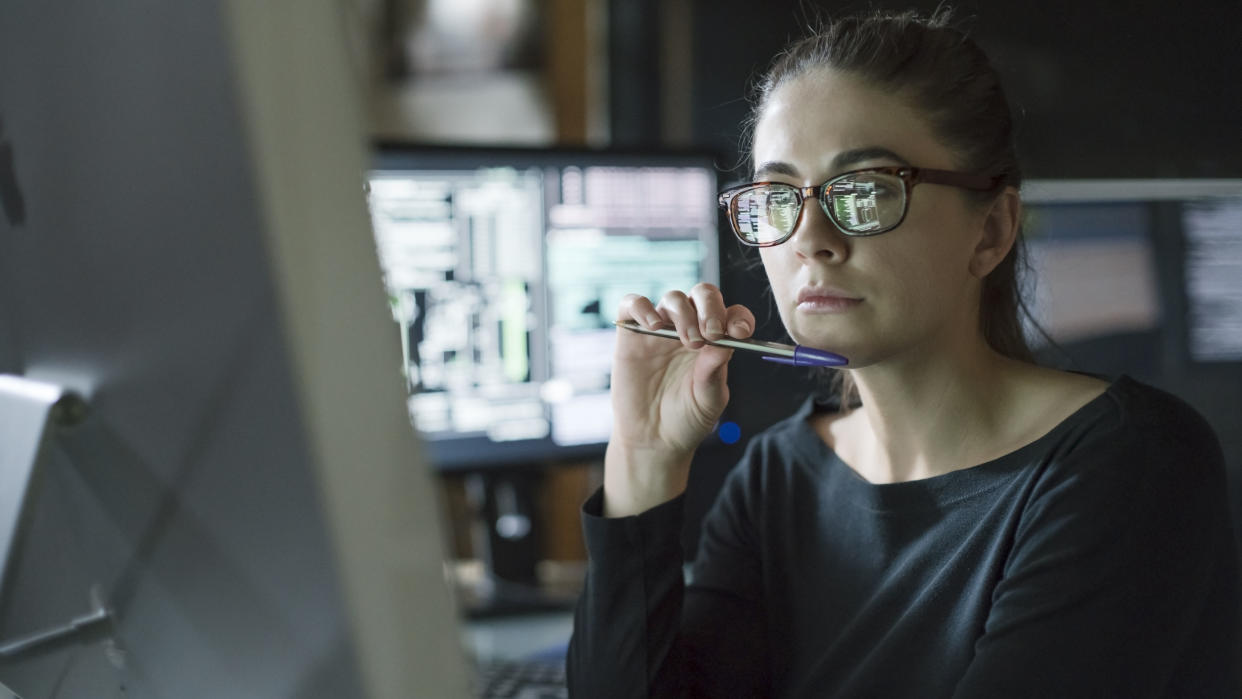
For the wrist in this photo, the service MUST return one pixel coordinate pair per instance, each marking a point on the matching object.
(637, 479)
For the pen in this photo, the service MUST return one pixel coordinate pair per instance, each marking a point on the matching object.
(793, 355)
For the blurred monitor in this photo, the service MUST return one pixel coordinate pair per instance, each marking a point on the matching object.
(242, 511)
(504, 270)
(1095, 268)
(1141, 276)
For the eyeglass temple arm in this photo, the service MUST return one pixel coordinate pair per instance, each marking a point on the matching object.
(956, 179)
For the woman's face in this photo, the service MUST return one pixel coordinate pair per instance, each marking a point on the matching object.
(900, 292)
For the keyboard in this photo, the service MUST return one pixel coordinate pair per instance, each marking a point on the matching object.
(521, 679)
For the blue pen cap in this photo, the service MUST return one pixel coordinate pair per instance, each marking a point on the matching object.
(807, 356)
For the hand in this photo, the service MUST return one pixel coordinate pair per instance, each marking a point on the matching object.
(666, 396)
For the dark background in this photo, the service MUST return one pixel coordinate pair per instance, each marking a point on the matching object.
(1144, 89)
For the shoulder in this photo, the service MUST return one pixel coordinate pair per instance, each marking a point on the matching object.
(1158, 412)
(1149, 420)
(1138, 447)
(1126, 416)
(1137, 469)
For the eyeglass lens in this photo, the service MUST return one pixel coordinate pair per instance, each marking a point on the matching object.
(860, 204)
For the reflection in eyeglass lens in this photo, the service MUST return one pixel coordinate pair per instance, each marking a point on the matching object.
(782, 209)
(764, 214)
(856, 204)
(747, 216)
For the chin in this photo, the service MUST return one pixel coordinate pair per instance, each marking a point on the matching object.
(825, 340)
(821, 333)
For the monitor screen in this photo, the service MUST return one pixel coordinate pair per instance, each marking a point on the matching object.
(1094, 268)
(504, 269)
(1140, 276)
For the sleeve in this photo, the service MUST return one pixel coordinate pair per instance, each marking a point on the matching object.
(1122, 579)
(640, 631)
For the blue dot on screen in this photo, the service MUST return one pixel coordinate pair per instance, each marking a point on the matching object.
(729, 432)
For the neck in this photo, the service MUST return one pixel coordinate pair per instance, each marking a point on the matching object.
(931, 412)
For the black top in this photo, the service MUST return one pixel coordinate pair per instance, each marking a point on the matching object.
(1096, 561)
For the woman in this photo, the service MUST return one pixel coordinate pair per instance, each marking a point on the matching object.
(964, 523)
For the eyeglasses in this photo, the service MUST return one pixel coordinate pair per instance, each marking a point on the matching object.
(859, 202)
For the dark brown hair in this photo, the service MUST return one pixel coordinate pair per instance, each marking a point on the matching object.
(947, 77)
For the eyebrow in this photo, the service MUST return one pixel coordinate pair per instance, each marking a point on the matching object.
(840, 163)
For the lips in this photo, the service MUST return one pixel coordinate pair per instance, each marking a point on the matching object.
(815, 293)
(826, 299)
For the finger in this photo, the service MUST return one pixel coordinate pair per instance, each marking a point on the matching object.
(711, 372)
(639, 308)
(709, 303)
(678, 307)
(739, 321)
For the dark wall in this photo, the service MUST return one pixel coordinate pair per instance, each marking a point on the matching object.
(1143, 89)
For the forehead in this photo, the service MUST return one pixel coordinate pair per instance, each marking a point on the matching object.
(812, 119)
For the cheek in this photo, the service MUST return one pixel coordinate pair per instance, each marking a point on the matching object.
(774, 267)
(927, 280)
(778, 266)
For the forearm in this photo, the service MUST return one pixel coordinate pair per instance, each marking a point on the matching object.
(628, 616)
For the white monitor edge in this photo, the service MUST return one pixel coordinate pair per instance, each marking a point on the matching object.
(304, 118)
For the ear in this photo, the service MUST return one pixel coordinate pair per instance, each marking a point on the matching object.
(998, 232)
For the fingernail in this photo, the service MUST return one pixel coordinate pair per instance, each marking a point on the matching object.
(654, 320)
(740, 329)
(713, 327)
(693, 333)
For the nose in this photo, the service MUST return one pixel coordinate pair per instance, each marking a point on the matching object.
(815, 236)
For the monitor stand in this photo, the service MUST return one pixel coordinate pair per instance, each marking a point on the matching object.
(29, 411)
(506, 530)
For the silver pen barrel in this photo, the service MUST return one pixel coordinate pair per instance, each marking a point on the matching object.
(749, 344)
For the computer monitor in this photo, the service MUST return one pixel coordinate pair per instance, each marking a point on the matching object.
(1141, 276)
(243, 510)
(504, 270)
